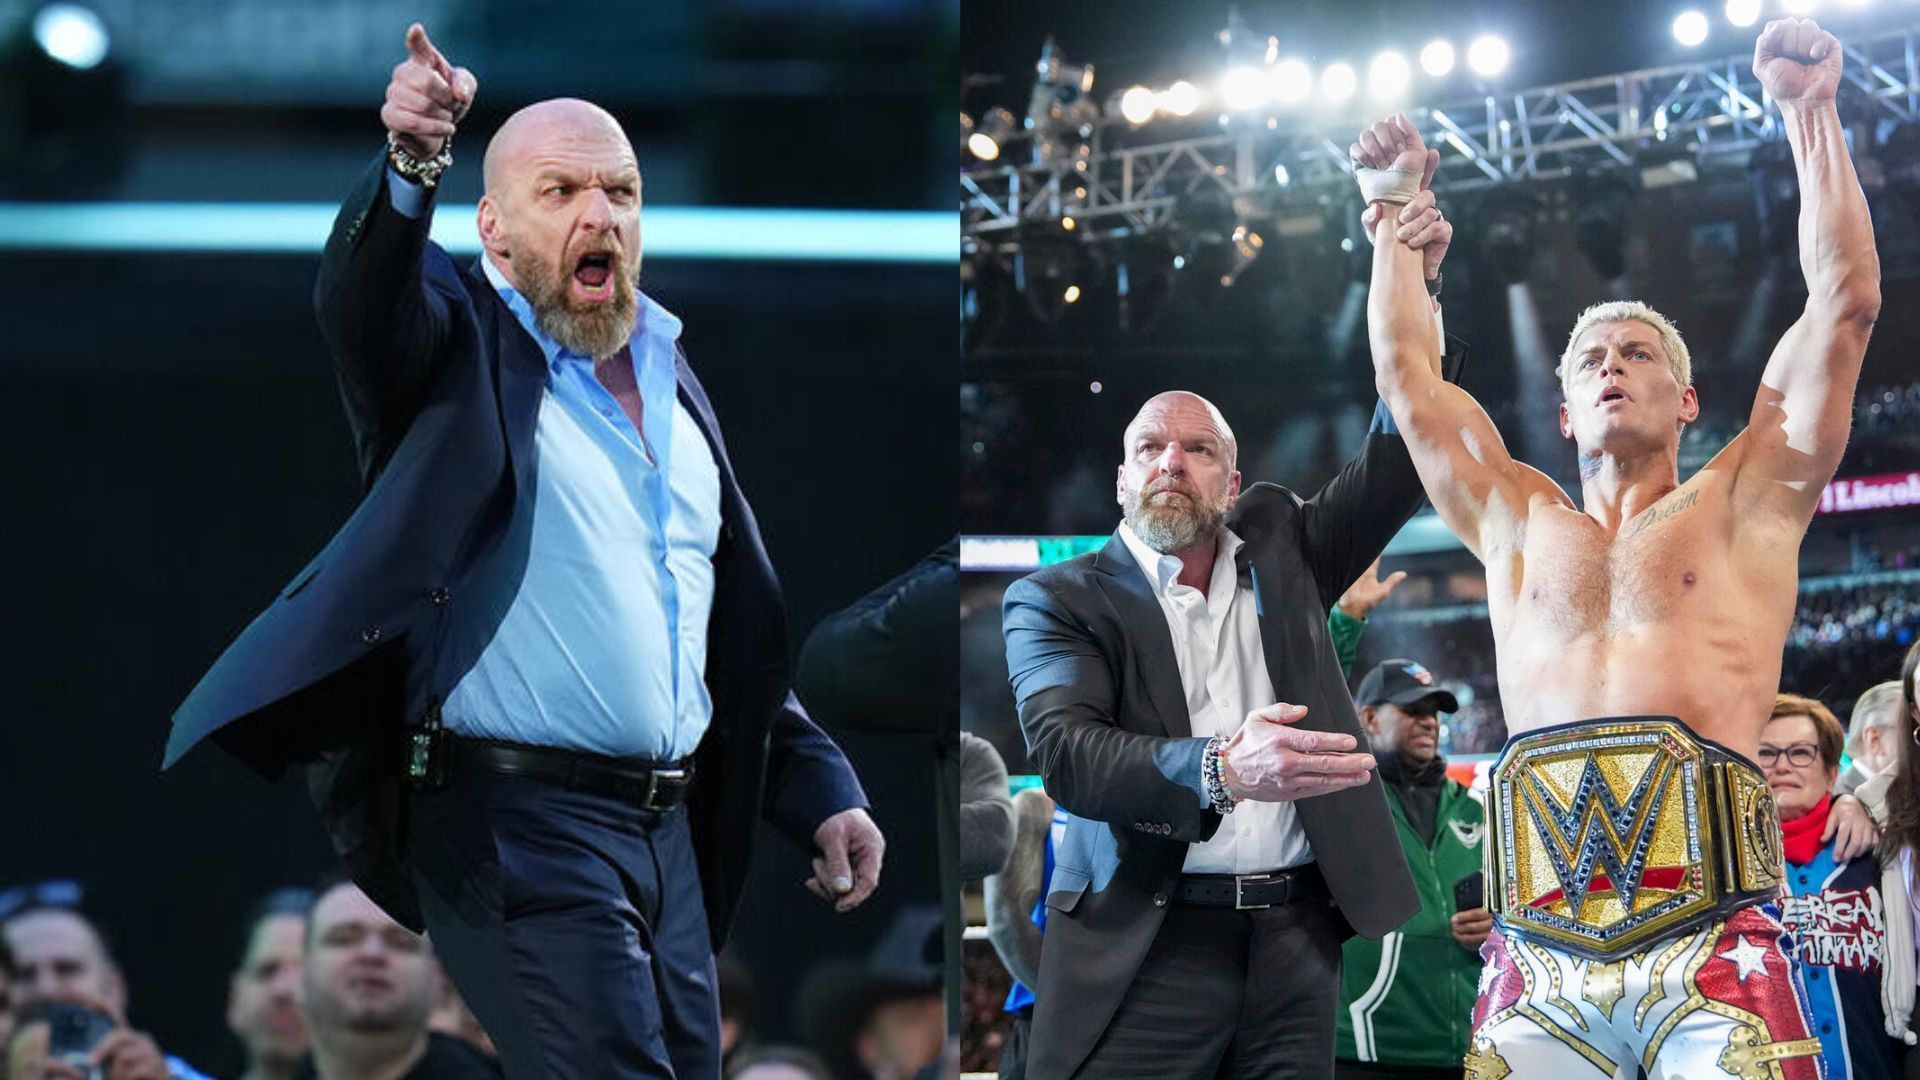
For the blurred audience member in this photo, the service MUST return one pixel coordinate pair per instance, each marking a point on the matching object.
(1406, 1001)
(61, 958)
(779, 1063)
(263, 997)
(1016, 917)
(1894, 798)
(1837, 913)
(1873, 737)
(369, 986)
(885, 1019)
(986, 813)
(451, 1016)
(6, 997)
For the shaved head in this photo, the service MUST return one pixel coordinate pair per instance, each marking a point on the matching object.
(542, 124)
(1184, 400)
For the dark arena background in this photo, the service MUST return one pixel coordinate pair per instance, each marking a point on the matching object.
(176, 447)
(1156, 197)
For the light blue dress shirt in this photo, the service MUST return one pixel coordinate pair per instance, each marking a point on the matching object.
(603, 646)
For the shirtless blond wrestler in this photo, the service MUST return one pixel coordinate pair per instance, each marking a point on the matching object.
(1639, 633)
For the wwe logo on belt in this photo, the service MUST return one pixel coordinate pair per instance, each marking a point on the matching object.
(1596, 831)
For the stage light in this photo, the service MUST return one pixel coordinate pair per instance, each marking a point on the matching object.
(1290, 81)
(1241, 89)
(1800, 7)
(71, 34)
(1488, 55)
(992, 133)
(1072, 295)
(1338, 82)
(1281, 176)
(1137, 104)
(1388, 75)
(1690, 28)
(1067, 223)
(1743, 12)
(1437, 58)
(1181, 98)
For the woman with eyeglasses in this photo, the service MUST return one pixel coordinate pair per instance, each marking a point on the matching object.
(1837, 912)
(1893, 797)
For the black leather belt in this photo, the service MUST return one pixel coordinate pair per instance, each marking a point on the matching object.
(1247, 891)
(650, 785)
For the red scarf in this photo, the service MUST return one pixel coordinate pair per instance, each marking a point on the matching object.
(1803, 833)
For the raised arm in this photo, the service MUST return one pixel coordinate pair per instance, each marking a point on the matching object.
(1479, 490)
(1798, 428)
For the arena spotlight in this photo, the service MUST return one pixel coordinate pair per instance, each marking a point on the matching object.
(1437, 58)
(1388, 75)
(1241, 90)
(1290, 81)
(1138, 104)
(992, 133)
(1690, 28)
(1181, 98)
(71, 34)
(1488, 55)
(1743, 12)
(1338, 82)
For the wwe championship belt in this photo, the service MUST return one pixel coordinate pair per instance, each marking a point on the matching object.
(1612, 834)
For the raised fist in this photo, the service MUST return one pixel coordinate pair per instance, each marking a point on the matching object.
(426, 97)
(1394, 143)
(1797, 62)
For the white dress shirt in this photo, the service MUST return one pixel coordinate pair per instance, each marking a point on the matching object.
(1216, 642)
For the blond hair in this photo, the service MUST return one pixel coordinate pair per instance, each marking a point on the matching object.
(1678, 359)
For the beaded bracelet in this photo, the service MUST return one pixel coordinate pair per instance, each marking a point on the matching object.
(1218, 793)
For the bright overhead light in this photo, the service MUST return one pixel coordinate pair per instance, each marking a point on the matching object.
(1181, 98)
(1072, 294)
(1338, 82)
(1437, 58)
(1242, 89)
(71, 34)
(1800, 7)
(1488, 55)
(1388, 75)
(1137, 104)
(1690, 28)
(1281, 176)
(1290, 81)
(1743, 12)
(995, 128)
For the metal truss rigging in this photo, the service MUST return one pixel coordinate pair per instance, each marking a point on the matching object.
(1682, 113)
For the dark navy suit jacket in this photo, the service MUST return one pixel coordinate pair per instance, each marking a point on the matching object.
(442, 387)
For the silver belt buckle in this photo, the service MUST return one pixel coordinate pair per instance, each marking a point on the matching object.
(653, 785)
(1240, 892)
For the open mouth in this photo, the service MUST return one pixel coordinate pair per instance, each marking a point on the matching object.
(1612, 394)
(593, 275)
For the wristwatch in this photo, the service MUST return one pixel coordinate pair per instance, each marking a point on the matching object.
(425, 173)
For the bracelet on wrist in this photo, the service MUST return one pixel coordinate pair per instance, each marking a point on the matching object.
(1213, 779)
(425, 173)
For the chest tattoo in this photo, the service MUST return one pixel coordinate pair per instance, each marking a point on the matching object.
(1661, 513)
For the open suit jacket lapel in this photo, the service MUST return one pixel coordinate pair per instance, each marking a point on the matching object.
(1137, 609)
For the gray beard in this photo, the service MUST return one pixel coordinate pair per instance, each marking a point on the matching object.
(594, 331)
(1171, 530)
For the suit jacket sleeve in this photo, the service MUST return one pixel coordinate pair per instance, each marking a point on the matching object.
(1348, 522)
(808, 778)
(384, 317)
(1065, 689)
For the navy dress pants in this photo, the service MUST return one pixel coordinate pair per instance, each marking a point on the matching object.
(572, 924)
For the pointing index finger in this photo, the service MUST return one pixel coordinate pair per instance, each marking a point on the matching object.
(423, 50)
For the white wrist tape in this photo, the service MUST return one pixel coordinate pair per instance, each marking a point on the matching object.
(1387, 185)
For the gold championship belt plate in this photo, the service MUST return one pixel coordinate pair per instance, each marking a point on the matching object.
(1612, 834)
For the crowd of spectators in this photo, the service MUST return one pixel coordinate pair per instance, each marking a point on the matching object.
(325, 986)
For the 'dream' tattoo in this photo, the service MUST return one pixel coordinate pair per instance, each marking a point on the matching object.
(1661, 513)
(1589, 465)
